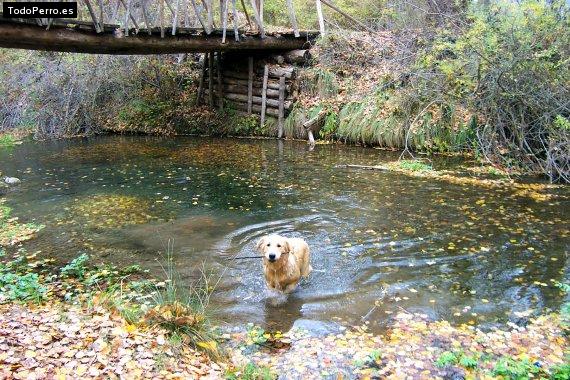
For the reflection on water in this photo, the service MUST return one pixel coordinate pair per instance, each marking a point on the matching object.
(381, 242)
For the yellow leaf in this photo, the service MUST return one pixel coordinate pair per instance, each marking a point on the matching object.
(209, 345)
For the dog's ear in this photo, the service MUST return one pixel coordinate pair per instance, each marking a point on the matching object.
(287, 246)
(260, 244)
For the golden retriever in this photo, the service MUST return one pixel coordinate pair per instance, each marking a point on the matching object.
(285, 261)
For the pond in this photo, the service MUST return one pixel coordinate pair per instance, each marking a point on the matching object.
(381, 242)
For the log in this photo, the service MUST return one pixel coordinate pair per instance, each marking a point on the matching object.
(310, 124)
(299, 56)
(274, 85)
(255, 108)
(64, 39)
(281, 102)
(264, 95)
(278, 72)
(237, 89)
(273, 103)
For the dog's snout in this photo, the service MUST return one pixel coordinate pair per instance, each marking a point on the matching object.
(271, 257)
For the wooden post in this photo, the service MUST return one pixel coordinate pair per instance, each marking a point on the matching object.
(220, 87)
(93, 17)
(127, 14)
(260, 10)
(199, 17)
(145, 16)
(246, 14)
(175, 21)
(250, 85)
(210, 14)
(234, 10)
(201, 83)
(281, 107)
(211, 79)
(224, 16)
(320, 17)
(131, 16)
(264, 94)
(161, 17)
(258, 18)
(293, 18)
(101, 16)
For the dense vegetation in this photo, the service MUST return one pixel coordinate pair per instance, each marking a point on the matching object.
(490, 78)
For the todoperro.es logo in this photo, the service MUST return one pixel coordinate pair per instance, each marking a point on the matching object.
(39, 9)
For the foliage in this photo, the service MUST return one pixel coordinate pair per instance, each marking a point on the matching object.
(414, 165)
(446, 358)
(76, 267)
(508, 66)
(250, 371)
(184, 310)
(7, 140)
(515, 369)
(560, 372)
(25, 288)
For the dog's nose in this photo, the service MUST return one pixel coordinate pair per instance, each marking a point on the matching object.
(271, 257)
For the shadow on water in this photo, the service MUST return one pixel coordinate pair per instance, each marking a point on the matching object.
(381, 242)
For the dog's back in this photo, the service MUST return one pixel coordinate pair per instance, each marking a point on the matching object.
(300, 249)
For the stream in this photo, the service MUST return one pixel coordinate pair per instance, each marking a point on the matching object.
(381, 242)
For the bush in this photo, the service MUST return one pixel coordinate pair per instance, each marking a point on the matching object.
(509, 67)
(76, 267)
(25, 288)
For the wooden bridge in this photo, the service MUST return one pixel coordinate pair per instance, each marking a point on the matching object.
(156, 27)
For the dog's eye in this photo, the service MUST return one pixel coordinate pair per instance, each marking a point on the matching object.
(268, 244)
(278, 245)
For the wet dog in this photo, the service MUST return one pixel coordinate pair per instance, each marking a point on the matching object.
(285, 261)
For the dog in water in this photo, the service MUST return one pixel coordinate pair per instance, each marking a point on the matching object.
(285, 261)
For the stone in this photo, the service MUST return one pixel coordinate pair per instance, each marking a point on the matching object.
(12, 180)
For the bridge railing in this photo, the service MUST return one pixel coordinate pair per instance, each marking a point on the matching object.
(174, 16)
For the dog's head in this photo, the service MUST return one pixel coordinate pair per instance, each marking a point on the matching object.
(273, 247)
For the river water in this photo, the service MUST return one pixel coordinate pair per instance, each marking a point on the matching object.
(381, 242)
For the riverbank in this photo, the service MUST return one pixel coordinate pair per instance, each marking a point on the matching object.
(80, 320)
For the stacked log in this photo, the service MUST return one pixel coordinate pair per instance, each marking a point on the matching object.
(236, 81)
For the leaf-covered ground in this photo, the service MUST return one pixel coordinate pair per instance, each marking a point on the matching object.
(59, 341)
(413, 348)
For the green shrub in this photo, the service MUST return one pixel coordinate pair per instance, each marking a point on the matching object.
(446, 358)
(560, 372)
(250, 371)
(25, 288)
(76, 268)
(515, 369)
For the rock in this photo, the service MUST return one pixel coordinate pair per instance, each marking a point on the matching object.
(12, 180)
